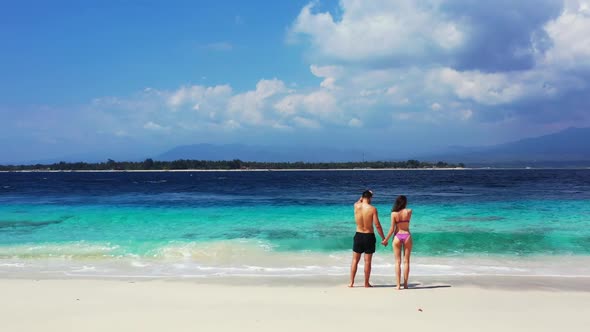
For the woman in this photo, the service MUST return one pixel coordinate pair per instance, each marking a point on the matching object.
(400, 226)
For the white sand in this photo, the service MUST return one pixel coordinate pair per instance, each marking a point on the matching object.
(105, 305)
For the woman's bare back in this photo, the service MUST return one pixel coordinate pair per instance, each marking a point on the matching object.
(402, 220)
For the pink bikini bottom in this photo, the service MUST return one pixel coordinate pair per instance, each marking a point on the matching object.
(403, 237)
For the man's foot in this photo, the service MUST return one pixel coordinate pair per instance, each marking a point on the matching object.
(351, 285)
(398, 287)
(367, 285)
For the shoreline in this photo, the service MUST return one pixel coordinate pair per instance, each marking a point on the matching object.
(253, 262)
(238, 170)
(298, 170)
(579, 284)
(230, 261)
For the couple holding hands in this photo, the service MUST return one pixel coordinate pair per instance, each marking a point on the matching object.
(367, 219)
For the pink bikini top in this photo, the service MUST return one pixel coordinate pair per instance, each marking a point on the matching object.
(401, 221)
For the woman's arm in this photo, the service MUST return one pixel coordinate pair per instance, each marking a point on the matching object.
(391, 230)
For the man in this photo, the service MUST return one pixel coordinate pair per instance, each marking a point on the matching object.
(365, 216)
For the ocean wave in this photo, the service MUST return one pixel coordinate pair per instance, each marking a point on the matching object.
(213, 251)
(85, 268)
(27, 223)
(445, 194)
(474, 218)
(12, 265)
(258, 258)
(423, 266)
(75, 250)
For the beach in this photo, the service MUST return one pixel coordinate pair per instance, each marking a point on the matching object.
(267, 251)
(230, 305)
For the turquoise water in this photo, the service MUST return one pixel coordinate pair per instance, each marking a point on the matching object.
(298, 222)
(529, 227)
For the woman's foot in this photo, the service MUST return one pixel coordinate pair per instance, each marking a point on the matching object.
(368, 285)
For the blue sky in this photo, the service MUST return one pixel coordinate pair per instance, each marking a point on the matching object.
(131, 79)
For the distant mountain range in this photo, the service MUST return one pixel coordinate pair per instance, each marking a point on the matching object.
(262, 153)
(567, 148)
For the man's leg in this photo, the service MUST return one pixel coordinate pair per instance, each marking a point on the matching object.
(368, 259)
(356, 257)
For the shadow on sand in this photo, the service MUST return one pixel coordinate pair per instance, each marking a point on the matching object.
(413, 286)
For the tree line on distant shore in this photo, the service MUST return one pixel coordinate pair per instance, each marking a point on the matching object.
(236, 164)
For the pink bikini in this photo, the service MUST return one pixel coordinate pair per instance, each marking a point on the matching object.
(403, 236)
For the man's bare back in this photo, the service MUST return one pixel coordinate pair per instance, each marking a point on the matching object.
(364, 215)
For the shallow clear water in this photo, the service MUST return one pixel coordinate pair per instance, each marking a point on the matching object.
(200, 223)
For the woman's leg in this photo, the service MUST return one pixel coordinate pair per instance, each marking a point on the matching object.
(407, 253)
(397, 252)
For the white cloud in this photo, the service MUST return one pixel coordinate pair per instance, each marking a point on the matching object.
(270, 105)
(398, 53)
(329, 83)
(391, 90)
(249, 107)
(466, 114)
(231, 124)
(490, 89)
(154, 126)
(371, 92)
(320, 103)
(555, 73)
(355, 122)
(306, 122)
(403, 116)
(198, 95)
(379, 28)
(281, 126)
(438, 117)
(570, 36)
(328, 73)
(121, 133)
(289, 105)
(267, 88)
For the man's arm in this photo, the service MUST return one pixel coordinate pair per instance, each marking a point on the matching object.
(378, 224)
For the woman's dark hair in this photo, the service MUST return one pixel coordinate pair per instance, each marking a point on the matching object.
(400, 203)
